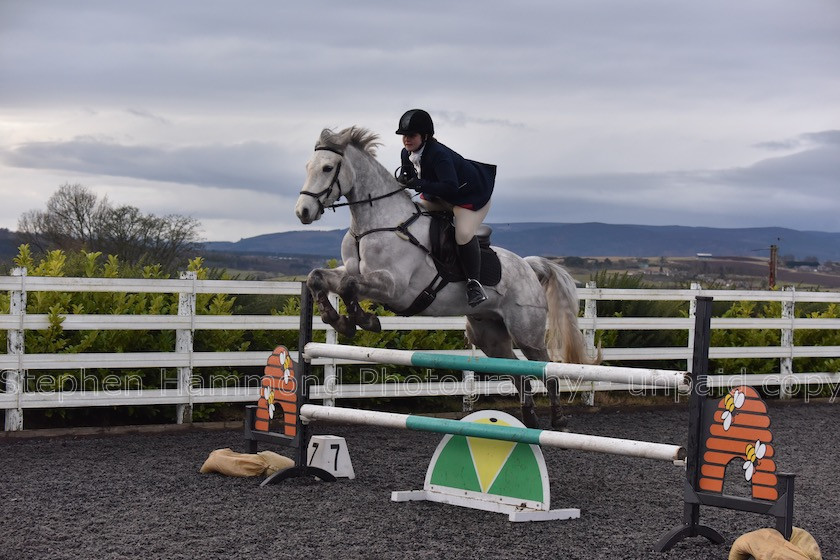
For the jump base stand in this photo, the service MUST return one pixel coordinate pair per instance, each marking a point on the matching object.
(330, 454)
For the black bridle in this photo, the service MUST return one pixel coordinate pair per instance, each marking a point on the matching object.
(336, 182)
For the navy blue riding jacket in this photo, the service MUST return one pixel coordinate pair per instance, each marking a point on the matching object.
(446, 174)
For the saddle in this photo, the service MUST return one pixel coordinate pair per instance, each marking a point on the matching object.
(444, 253)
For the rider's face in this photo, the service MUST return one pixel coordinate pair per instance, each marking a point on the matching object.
(412, 142)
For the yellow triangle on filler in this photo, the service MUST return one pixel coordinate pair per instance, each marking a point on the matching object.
(489, 455)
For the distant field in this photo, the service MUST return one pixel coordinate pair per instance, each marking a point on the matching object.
(670, 272)
(731, 272)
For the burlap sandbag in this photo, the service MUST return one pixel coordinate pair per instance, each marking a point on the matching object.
(229, 462)
(769, 544)
(275, 462)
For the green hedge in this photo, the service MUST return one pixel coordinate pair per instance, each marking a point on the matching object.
(55, 340)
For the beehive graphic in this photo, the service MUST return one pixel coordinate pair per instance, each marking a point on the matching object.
(739, 430)
(277, 406)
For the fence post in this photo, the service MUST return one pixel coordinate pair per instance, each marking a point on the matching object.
(590, 311)
(469, 398)
(786, 363)
(15, 379)
(330, 379)
(184, 345)
(692, 313)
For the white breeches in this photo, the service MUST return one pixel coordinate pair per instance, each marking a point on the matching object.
(466, 220)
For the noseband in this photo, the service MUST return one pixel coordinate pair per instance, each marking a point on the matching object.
(335, 182)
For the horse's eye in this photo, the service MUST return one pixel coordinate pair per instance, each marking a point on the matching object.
(327, 168)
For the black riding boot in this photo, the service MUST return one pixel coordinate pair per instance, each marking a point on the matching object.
(470, 257)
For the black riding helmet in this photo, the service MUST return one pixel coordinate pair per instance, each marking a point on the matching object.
(416, 121)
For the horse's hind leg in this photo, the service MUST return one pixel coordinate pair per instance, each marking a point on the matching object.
(527, 328)
(526, 400)
(558, 419)
(492, 338)
(552, 385)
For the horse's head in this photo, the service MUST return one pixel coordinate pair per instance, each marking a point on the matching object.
(323, 187)
(329, 172)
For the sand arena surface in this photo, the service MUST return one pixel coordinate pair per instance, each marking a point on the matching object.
(141, 496)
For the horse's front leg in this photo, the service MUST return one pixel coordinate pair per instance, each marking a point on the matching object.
(321, 282)
(378, 286)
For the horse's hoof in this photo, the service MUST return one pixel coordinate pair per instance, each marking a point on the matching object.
(370, 322)
(529, 417)
(345, 327)
(558, 421)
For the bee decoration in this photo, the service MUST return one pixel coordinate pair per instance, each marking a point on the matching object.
(754, 453)
(732, 402)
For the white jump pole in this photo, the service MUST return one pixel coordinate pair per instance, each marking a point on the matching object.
(545, 438)
(631, 376)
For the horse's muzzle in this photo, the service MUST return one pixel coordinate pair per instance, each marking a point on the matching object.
(304, 216)
(307, 212)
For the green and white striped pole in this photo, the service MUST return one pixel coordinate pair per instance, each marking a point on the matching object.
(545, 438)
(631, 376)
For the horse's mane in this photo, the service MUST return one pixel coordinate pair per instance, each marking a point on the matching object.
(361, 138)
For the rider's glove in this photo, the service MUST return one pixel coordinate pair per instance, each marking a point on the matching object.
(406, 175)
(415, 184)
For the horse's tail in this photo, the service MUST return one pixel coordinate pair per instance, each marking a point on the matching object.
(564, 340)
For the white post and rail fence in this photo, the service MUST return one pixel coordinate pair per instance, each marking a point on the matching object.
(185, 390)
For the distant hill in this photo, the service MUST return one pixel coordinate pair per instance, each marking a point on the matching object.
(588, 239)
(313, 242)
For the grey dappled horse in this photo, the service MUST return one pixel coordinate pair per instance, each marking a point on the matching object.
(534, 306)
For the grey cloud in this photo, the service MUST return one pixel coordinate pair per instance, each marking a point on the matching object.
(144, 114)
(813, 172)
(257, 166)
(779, 145)
(775, 191)
(825, 137)
(822, 138)
(694, 82)
(460, 119)
(300, 53)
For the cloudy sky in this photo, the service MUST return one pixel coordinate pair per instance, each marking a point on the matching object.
(714, 113)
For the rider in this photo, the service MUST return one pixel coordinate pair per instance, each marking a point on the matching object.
(448, 182)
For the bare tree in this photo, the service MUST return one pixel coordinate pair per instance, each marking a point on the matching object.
(74, 220)
(145, 238)
(69, 222)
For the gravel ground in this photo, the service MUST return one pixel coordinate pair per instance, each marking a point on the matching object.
(141, 496)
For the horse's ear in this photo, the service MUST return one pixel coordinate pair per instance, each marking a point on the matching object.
(326, 135)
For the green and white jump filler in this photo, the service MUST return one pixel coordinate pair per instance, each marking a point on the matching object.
(489, 474)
